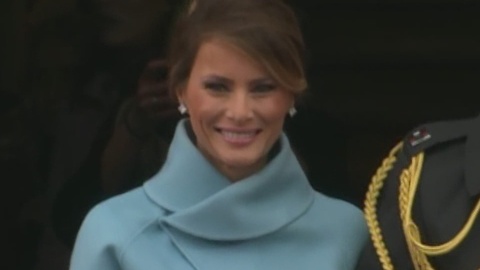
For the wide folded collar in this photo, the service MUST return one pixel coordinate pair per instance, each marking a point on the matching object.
(205, 204)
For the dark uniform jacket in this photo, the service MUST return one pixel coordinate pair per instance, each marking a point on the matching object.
(445, 158)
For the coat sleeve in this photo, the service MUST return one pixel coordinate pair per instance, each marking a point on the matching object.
(96, 246)
(356, 236)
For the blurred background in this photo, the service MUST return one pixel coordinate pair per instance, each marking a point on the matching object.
(76, 126)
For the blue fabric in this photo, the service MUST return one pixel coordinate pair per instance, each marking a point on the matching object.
(189, 216)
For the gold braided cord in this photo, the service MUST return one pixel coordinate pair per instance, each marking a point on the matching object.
(370, 208)
(409, 179)
(409, 183)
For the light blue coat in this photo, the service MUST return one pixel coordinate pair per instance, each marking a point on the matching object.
(189, 216)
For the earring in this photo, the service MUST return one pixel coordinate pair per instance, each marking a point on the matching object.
(292, 111)
(182, 109)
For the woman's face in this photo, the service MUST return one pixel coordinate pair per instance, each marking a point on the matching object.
(236, 109)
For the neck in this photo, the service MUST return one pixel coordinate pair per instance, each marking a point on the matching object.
(237, 173)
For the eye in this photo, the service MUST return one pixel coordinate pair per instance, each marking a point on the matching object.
(264, 88)
(215, 86)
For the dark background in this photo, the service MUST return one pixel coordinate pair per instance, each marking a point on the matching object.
(376, 70)
(382, 67)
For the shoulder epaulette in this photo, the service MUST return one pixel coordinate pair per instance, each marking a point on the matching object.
(430, 134)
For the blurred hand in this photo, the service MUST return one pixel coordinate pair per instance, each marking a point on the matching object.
(153, 97)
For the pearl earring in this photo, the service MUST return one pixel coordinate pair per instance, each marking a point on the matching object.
(292, 111)
(182, 109)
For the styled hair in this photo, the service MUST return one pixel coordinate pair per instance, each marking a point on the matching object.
(266, 30)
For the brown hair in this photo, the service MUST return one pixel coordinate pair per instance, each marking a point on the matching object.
(266, 30)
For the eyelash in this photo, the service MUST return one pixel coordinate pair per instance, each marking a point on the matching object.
(216, 87)
(264, 88)
(258, 89)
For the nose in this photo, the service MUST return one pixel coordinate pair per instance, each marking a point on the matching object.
(239, 107)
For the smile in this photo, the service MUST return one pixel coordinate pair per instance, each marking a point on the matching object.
(239, 138)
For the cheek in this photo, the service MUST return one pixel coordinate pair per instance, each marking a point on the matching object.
(202, 109)
(199, 105)
(276, 109)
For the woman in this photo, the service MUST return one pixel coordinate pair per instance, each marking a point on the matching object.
(231, 194)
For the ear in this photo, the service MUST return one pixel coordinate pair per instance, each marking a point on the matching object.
(294, 101)
(181, 95)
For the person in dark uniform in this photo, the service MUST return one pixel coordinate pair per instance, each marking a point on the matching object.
(422, 206)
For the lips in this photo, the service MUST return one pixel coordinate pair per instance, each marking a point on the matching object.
(239, 137)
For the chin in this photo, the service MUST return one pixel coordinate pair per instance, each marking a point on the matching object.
(241, 162)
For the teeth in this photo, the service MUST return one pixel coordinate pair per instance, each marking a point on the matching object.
(238, 135)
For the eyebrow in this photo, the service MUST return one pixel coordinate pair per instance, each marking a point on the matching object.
(261, 81)
(218, 78)
(225, 80)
